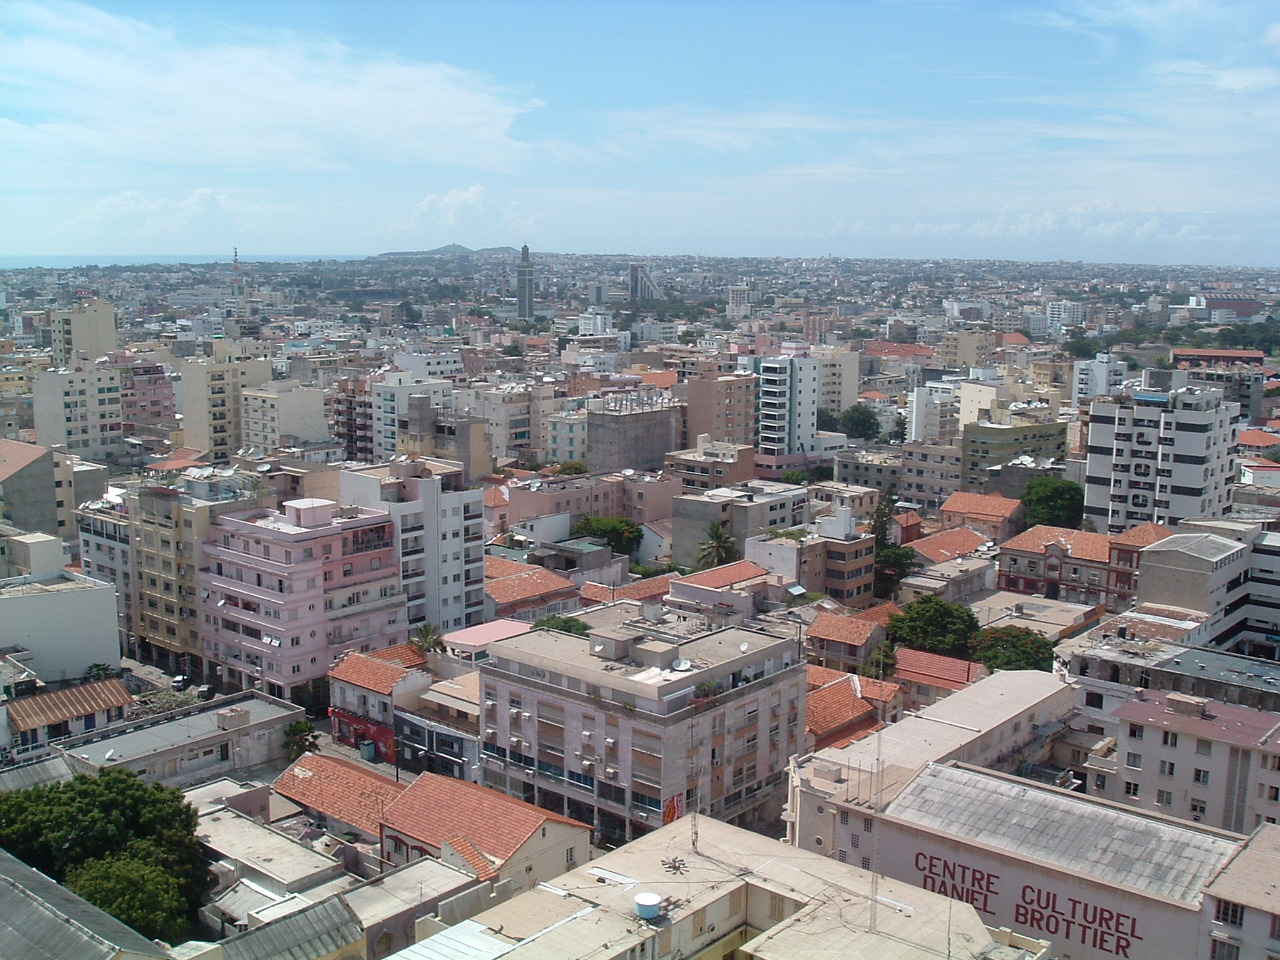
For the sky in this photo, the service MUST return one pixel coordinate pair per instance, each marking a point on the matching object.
(1138, 131)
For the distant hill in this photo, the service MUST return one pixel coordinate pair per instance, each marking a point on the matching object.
(449, 250)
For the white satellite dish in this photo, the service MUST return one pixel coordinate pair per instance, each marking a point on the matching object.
(597, 648)
(108, 755)
(743, 646)
(628, 472)
(264, 467)
(681, 664)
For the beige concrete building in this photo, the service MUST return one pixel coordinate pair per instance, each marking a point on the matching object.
(212, 402)
(711, 464)
(746, 510)
(626, 731)
(84, 333)
(79, 409)
(282, 413)
(722, 406)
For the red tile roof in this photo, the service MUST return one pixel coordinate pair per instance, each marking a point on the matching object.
(1079, 544)
(339, 789)
(726, 575)
(844, 629)
(988, 505)
(70, 703)
(405, 654)
(648, 589)
(879, 614)
(949, 544)
(502, 567)
(835, 710)
(530, 585)
(495, 497)
(15, 455)
(368, 673)
(1257, 438)
(1143, 535)
(933, 669)
(816, 676)
(436, 810)
(878, 691)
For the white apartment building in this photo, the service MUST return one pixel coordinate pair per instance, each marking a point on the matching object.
(627, 731)
(788, 411)
(1100, 377)
(80, 410)
(1068, 313)
(1160, 455)
(390, 402)
(566, 436)
(738, 305)
(839, 374)
(439, 530)
(282, 409)
(84, 333)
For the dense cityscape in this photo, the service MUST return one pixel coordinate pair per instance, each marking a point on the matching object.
(475, 603)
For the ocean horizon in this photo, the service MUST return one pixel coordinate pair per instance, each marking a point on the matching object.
(70, 262)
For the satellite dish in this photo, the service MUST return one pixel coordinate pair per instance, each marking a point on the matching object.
(681, 664)
(108, 755)
(628, 472)
(743, 646)
(597, 648)
(264, 467)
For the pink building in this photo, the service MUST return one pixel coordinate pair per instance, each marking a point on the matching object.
(146, 394)
(285, 593)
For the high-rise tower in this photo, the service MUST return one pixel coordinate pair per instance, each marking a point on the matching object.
(524, 287)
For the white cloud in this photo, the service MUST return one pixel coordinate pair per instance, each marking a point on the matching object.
(444, 210)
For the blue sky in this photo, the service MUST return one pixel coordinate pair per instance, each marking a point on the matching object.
(1116, 130)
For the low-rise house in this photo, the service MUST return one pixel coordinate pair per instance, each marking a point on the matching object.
(441, 732)
(926, 677)
(33, 722)
(481, 831)
(523, 591)
(948, 545)
(836, 713)
(841, 642)
(650, 588)
(338, 795)
(730, 592)
(954, 581)
(997, 518)
(366, 688)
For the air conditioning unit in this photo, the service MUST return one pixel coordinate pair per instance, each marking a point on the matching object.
(611, 773)
(586, 735)
(515, 711)
(490, 704)
(610, 742)
(515, 741)
(641, 816)
(526, 715)
(490, 732)
(588, 764)
(577, 753)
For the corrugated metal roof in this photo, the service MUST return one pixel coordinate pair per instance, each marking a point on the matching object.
(49, 770)
(467, 940)
(1112, 845)
(315, 931)
(40, 920)
(67, 704)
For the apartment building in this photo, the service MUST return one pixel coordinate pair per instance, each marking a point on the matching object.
(146, 393)
(746, 510)
(632, 431)
(367, 689)
(438, 529)
(829, 556)
(930, 473)
(282, 413)
(79, 409)
(105, 533)
(788, 412)
(84, 333)
(627, 731)
(212, 404)
(710, 464)
(984, 445)
(288, 591)
(1160, 455)
(1100, 377)
(721, 405)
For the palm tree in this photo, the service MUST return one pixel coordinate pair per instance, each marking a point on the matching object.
(718, 548)
(427, 639)
(301, 737)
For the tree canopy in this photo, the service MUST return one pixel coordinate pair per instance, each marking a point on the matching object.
(930, 624)
(301, 737)
(1053, 502)
(860, 422)
(564, 624)
(138, 892)
(71, 831)
(1012, 648)
(569, 468)
(717, 549)
(622, 535)
(892, 564)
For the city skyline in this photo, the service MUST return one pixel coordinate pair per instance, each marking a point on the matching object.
(1129, 132)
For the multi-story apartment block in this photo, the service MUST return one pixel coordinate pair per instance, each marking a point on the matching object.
(984, 445)
(508, 411)
(710, 464)
(722, 406)
(146, 394)
(439, 535)
(75, 481)
(1191, 758)
(212, 405)
(625, 731)
(80, 410)
(1159, 455)
(1100, 377)
(962, 349)
(566, 437)
(874, 469)
(632, 431)
(282, 413)
(84, 333)
(1067, 313)
(105, 532)
(840, 377)
(747, 510)
(1245, 384)
(788, 412)
(829, 557)
(930, 473)
(291, 590)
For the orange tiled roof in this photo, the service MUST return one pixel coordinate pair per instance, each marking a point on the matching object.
(340, 789)
(815, 676)
(495, 497)
(982, 505)
(919, 666)
(1257, 438)
(1014, 339)
(878, 691)
(15, 455)
(368, 673)
(1143, 535)
(647, 589)
(495, 567)
(726, 575)
(949, 544)
(1079, 544)
(844, 629)
(405, 654)
(879, 614)
(436, 809)
(531, 584)
(476, 860)
(834, 707)
(58, 706)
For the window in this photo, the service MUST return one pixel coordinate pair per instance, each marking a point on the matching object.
(842, 856)
(1099, 781)
(570, 857)
(866, 824)
(1133, 760)
(1135, 731)
(1164, 798)
(1093, 699)
(1232, 914)
(1130, 788)
(1273, 793)
(844, 818)
(1201, 776)
(1166, 768)
(1275, 926)
(866, 863)
(1223, 950)
(1169, 738)
(1197, 810)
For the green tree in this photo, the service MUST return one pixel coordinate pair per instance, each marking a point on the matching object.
(881, 664)
(860, 422)
(1012, 648)
(301, 737)
(138, 892)
(882, 516)
(828, 421)
(1054, 502)
(573, 625)
(892, 564)
(427, 638)
(570, 468)
(622, 535)
(58, 827)
(930, 624)
(717, 549)
(512, 350)
(798, 477)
